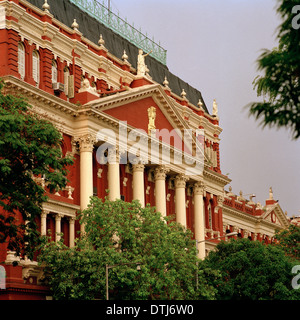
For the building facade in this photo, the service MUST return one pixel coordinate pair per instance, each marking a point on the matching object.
(132, 126)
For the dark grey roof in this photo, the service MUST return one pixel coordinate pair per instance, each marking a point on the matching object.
(66, 12)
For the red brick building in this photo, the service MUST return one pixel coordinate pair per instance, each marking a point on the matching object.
(77, 67)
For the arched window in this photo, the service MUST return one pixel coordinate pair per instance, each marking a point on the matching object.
(21, 60)
(66, 80)
(54, 71)
(36, 67)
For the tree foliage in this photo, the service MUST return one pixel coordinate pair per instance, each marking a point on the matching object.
(279, 85)
(289, 241)
(125, 235)
(29, 147)
(251, 270)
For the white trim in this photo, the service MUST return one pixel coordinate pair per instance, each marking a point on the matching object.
(2, 18)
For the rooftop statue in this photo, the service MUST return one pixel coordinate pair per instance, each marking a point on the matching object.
(142, 68)
(271, 194)
(215, 108)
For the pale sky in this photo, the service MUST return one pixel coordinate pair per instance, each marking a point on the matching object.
(213, 45)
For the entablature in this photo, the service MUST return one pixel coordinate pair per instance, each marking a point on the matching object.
(61, 113)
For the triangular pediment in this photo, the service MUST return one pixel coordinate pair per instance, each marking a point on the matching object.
(275, 215)
(132, 106)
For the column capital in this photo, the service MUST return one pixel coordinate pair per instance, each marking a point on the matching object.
(114, 154)
(199, 188)
(45, 213)
(58, 216)
(71, 220)
(139, 167)
(85, 142)
(137, 160)
(180, 181)
(160, 173)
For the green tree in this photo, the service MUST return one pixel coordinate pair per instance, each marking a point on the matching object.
(29, 147)
(289, 241)
(125, 234)
(279, 85)
(251, 271)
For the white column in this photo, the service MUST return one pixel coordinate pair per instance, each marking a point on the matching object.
(199, 219)
(180, 208)
(58, 227)
(86, 146)
(113, 174)
(138, 183)
(71, 232)
(44, 223)
(160, 190)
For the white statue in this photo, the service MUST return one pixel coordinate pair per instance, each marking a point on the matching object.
(86, 84)
(258, 205)
(215, 108)
(271, 194)
(152, 117)
(142, 68)
(86, 87)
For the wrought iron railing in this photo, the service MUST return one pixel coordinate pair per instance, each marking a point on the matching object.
(103, 14)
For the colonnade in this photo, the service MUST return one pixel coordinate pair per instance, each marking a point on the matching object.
(58, 217)
(86, 144)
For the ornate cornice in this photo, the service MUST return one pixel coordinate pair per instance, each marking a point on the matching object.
(31, 28)
(257, 221)
(237, 213)
(35, 95)
(216, 177)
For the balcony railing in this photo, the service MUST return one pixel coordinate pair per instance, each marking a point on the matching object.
(120, 26)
